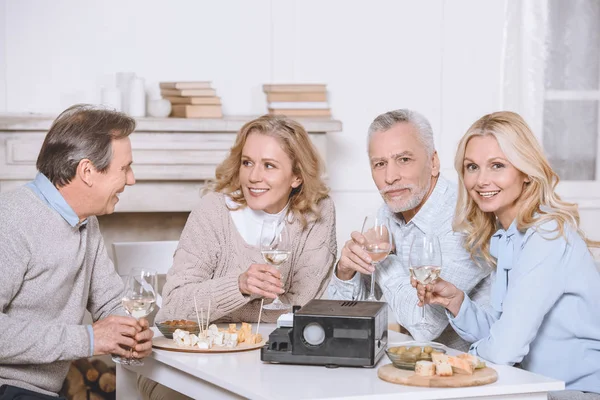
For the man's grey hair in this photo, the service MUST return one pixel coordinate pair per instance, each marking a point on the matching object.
(387, 120)
(81, 131)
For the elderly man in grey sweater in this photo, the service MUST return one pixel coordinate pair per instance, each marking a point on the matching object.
(53, 261)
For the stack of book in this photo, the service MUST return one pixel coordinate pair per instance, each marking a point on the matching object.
(297, 100)
(192, 99)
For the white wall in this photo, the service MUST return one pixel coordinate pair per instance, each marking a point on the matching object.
(442, 58)
(3, 94)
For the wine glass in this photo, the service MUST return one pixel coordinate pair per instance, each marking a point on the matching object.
(378, 244)
(275, 247)
(138, 301)
(425, 262)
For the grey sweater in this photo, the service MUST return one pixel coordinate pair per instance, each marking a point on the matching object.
(50, 272)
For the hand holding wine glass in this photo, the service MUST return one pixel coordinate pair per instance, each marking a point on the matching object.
(378, 243)
(138, 301)
(425, 262)
(440, 292)
(262, 280)
(275, 247)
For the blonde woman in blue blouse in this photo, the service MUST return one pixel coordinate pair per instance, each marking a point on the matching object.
(545, 296)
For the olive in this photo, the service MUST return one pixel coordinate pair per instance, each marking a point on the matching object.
(408, 356)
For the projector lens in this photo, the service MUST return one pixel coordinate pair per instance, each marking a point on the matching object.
(314, 334)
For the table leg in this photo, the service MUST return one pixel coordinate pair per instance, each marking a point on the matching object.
(126, 384)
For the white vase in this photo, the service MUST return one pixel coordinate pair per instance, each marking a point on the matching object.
(123, 81)
(159, 108)
(137, 98)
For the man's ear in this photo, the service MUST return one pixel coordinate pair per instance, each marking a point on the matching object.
(85, 170)
(435, 164)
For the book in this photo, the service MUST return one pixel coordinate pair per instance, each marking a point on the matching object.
(185, 85)
(197, 111)
(296, 96)
(188, 92)
(301, 112)
(308, 105)
(194, 100)
(293, 87)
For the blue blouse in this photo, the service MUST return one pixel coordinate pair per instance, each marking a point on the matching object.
(545, 307)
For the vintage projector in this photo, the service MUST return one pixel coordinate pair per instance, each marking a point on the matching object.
(331, 333)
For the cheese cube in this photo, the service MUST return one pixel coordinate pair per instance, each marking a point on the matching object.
(242, 335)
(218, 339)
(443, 369)
(425, 368)
(231, 341)
(475, 362)
(438, 358)
(461, 366)
(213, 329)
(246, 327)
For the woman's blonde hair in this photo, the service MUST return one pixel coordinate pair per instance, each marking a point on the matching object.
(539, 202)
(306, 164)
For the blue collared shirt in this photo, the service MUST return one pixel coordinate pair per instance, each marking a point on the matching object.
(544, 307)
(49, 194)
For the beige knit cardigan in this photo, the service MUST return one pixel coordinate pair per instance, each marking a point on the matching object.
(212, 254)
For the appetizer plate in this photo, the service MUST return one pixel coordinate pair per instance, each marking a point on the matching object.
(163, 343)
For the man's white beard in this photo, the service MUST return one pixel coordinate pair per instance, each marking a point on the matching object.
(412, 202)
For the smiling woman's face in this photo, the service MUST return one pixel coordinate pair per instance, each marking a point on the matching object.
(266, 176)
(491, 180)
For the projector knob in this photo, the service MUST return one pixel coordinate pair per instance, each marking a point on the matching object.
(314, 334)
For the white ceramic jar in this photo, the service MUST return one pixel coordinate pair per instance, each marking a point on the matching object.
(159, 108)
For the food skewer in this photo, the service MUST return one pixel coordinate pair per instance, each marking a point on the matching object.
(198, 316)
(259, 314)
(202, 318)
(208, 315)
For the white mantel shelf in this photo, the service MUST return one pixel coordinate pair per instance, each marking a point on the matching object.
(37, 122)
(173, 157)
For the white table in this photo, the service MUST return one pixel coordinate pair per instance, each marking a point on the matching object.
(244, 375)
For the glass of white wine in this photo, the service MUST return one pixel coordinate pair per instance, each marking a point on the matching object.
(138, 301)
(425, 262)
(275, 247)
(378, 244)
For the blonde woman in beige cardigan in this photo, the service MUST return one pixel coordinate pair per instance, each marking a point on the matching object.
(272, 172)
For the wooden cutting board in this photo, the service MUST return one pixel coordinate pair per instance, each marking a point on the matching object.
(163, 343)
(480, 377)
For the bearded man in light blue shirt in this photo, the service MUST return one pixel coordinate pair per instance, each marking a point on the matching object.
(418, 201)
